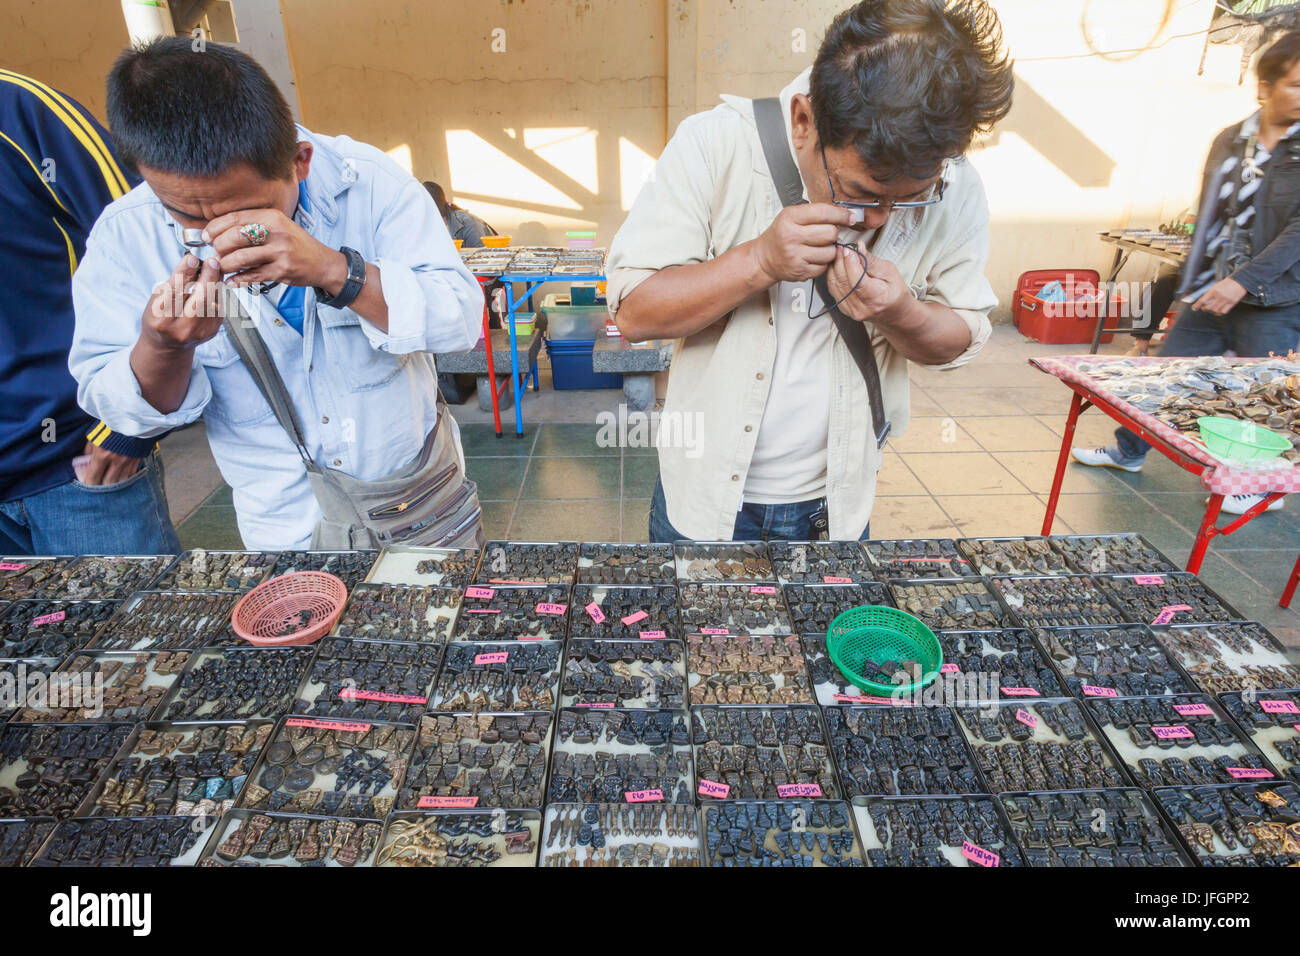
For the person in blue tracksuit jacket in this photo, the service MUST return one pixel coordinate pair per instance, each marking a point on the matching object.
(57, 173)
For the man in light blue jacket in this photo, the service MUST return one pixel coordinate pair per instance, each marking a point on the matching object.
(339, 256)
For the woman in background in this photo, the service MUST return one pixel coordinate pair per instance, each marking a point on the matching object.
(461, 224)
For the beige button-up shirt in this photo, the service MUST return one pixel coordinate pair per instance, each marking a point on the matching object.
(711, 191)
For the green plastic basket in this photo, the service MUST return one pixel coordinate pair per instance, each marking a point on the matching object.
(881, 634)
(1238, 440)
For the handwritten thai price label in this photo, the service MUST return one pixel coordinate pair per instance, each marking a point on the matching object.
(714, 630)
(6, 566)
(1090, 691)
(447, 803)
(1249, 773)
(1020, 692)
(480, 594)
(49, 618)
(1150, 579)
(598, 705)
(950, 668)
(652, 635)
(346, 726)
(496, 657)
(482, 610)
(351, 693)
(978, 855)
(1279, 707)
(529, 637)
(1174, 732)
(799, 790)
(643, 796)
(1193, 710)
(633, 618)
(708, 788)
(1026, 718)
(552, 609)
(595, 613)
(893, 701)
(832, 579)
(762, 589)
(1168, 612)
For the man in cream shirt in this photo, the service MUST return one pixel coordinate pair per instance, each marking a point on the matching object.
(709, 256)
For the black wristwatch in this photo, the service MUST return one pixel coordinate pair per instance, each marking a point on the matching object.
(352, 287)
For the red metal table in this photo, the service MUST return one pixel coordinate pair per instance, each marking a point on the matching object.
(1218, 478)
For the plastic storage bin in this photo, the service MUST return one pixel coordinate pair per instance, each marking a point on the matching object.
(571, 366)
(1062, 323)
(565, 321)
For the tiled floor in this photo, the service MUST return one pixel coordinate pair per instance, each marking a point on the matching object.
(977, 459)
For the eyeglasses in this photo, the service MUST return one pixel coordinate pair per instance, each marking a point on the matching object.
(932, 198)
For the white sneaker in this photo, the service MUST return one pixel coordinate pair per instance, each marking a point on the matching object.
(1240, 504)
(1106, 458)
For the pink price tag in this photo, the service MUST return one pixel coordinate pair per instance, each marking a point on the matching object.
(1296, 728)
(762, 590)
(799, 790)
(710, 789)
(1279, 707)
(1193, 710)
(480, 594)
(347, 726)
(598, 705)
(652, 635)
(529, 637)
(714, 630)
(49, 618)
(5, 566)
(949, 668)
(978, 855)
(446, 803)
(1168, 612)
(1020, 692)
(1091, 691)
(1249, 773)
(830, 579)
(351, 693)
(1148, 579)
(643, 796)
(1026, 718)
(496, 657)
(595, 613)
(1174, 732)
(553, 609)
(633, 618)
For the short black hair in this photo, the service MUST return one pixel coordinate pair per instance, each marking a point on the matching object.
(198, 113)
(1277, 61)
(910, 82)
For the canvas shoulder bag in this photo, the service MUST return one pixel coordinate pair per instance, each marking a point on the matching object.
(428, 502)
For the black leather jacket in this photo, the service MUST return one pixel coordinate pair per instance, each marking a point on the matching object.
(1272, 276)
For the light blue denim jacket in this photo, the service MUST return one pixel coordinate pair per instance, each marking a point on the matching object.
(365, 398)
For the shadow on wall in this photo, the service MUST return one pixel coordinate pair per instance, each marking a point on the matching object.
(1059, 141)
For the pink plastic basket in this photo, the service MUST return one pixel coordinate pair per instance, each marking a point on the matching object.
(272, 614)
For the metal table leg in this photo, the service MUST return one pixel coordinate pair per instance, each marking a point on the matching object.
(1077, 406)
(1289, 593)
(1121, 257)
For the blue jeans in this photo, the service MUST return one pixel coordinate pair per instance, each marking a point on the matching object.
(129, 517)
(753, 522)
(1248, 330)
